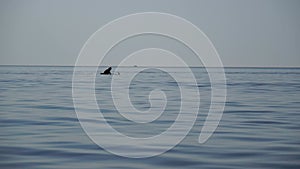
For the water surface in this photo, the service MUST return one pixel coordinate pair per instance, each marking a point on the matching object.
(259, 129)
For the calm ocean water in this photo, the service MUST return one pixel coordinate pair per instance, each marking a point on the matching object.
(260, 127)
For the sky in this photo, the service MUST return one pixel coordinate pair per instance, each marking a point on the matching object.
(244, 32)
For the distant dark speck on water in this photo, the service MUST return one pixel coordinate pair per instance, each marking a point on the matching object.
(107, 71)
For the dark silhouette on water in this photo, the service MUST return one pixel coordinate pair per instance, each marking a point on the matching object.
(107, 71)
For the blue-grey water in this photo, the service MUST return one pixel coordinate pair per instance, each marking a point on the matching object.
(260, 127)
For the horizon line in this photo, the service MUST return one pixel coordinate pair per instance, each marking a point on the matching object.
(44, 65)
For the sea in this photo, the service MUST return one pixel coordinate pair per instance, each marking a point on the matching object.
(259, 128)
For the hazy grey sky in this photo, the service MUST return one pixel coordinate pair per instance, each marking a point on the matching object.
(245, 32)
